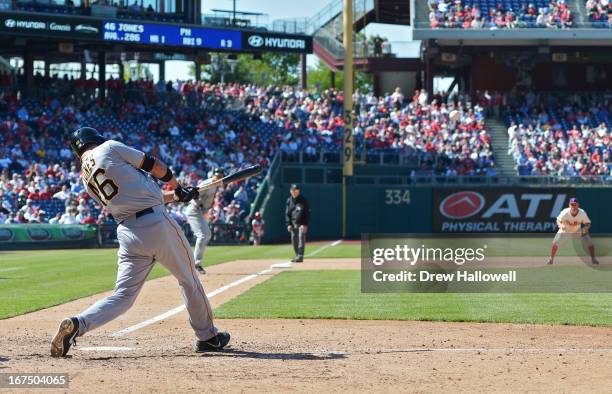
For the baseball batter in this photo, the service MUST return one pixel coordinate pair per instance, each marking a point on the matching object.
(120, 179)
(572, 222)
(195, 216)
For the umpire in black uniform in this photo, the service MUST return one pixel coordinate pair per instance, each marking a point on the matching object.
(297, 214)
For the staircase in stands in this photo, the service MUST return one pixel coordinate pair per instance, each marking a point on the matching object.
(504, 163)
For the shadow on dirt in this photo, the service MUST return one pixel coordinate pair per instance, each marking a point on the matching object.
(235, 353)
(277, 356)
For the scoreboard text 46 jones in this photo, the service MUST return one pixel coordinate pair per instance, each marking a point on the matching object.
(153, 33)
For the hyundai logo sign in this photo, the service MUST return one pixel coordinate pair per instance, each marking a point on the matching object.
(10, 23)
(256, 41)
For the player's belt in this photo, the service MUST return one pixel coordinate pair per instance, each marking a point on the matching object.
(145, 211)
(139, 214)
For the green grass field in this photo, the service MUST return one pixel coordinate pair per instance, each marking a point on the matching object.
(337, 295)
(32, 280)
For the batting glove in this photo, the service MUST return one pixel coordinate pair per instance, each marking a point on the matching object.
(185, 194)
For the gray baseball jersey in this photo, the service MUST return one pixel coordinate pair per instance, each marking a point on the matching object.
(206, 197)
(195, 216)
(112, 177)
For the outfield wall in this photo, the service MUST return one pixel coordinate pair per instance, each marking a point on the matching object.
(423, 210)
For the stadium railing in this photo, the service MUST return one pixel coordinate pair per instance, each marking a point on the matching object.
(222, 234)
(302, 168)
(265, 186)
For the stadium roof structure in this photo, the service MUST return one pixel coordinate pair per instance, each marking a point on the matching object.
(519, 36)
(583, 31)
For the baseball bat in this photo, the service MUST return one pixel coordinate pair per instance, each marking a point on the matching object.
(239, 175)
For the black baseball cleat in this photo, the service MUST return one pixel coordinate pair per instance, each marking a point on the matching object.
(200, 269)
(299, 259)
(64, 338)
(214, 344)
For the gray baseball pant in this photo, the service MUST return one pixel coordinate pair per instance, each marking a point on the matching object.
(142, 242)
(201, 231)
(298, 239)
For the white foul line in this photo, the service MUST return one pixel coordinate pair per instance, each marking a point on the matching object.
(11, 269)
(213, 293)
(500, 350)
(106, 349)
(181, 308)
(324, 247)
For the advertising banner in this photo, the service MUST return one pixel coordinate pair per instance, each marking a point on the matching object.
(50, 26)
(275, 42)
(150, 33)
(503, 210)
(33, 236)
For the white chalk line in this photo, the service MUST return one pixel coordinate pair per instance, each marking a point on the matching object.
(181, 308)
(11, 269)
(322, 248)
(495, 350)
(214, 293)
(508, 351)
(106, 349)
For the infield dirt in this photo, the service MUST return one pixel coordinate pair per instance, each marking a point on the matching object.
(307, 355)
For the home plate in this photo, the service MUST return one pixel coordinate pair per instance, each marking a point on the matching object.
(281, 265)
(106, 349)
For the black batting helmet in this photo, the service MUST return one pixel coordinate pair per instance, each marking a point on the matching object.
(84, 136)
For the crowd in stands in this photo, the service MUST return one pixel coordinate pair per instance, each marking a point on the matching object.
(561, 135)
(466, 14)
(126, 9)
(39, 177)
(198, 126)
(600, 12)
(446, 132)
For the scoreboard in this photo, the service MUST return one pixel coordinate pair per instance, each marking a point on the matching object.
(175, 35)
(62, 27)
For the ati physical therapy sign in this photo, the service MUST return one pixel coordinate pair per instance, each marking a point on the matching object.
(498, 210)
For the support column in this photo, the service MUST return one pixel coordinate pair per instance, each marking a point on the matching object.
(419, 79)
(332, 79)
(303, 73)
(102, 74)
(429, 76)
(376, 84)
(83, 68)
(28, 70)
(47, 67)
(198, 70)
(162, 70)
(472, 72)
